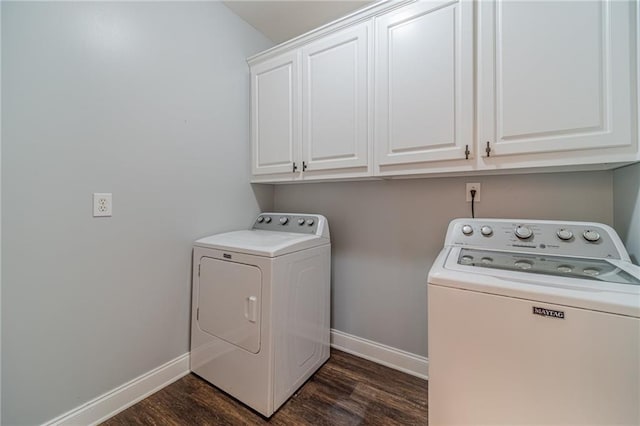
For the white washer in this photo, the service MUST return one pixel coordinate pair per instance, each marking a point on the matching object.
(533, 322)
(261, 307)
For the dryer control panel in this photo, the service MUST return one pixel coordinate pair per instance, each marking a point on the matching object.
(584, 239)
(312, 224)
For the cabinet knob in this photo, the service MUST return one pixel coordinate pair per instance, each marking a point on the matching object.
(295, 168)
(488, 149)
(304, 166)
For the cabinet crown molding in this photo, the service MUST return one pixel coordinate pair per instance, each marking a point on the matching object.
(360, 15)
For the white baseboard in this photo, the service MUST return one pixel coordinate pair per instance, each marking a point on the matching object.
(382, 354)
(124, 396)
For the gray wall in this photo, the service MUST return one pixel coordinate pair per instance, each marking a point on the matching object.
(626, 198)
(145, 100)
(0, 218)
(386, 235)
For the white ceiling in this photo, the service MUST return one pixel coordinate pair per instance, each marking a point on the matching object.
(283, 20)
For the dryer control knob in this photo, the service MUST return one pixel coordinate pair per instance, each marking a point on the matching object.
(260, 219)
(467, 230)
(591, 236)
(310, 222)
(284, 220)
(486, 231)
(267, 219)
(564, 234)
(523, 232)
(301, 221)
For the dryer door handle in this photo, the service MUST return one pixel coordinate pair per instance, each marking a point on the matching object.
(251, 308)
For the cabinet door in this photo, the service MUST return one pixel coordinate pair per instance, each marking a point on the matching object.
(424, 83)
(275, 114)
(336, 79)
(555, 76)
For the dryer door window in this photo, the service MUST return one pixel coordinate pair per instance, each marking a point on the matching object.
(229, 301)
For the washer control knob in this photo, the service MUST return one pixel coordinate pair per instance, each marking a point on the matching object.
(523, 264)
(564, 234)
(486, 231)
(301, 221)
(466, 260)
(310, 222)
(593, 272)
(260, 219)
(467, 230)
(284, 220)
(267, 219)
(523, 232)
(591, 236)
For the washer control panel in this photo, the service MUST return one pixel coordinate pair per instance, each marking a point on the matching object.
(285, 222)
(593, 240)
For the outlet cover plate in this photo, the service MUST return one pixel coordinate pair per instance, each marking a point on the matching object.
(475, 186)
(102, 204)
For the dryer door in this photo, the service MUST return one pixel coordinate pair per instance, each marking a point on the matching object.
(229, 300)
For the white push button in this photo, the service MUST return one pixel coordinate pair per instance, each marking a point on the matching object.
(523, 264)
(467, 230)
(310, 222)
(267, 219)
(564, 234)
(284, 220)
(301, 221)
(591, 236)
(486, 231)
(260, 219)
(466, 260)
(591, 271)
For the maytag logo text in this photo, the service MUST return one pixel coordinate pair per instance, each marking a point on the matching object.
(548, 312)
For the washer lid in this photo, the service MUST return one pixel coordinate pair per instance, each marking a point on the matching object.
(261, 243)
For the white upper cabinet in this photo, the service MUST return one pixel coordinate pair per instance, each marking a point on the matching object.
(556, 76)
(335, 87)
(275, 115)
(450, 86)
(424, 84)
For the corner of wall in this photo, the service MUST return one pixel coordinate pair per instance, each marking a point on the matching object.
(626, 208)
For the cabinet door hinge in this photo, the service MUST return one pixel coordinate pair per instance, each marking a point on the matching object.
(488, 149)
(466, 152)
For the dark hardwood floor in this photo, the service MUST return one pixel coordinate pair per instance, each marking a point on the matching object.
(347, 390)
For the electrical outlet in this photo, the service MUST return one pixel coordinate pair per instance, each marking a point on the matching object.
(102, 204)
(475, 186)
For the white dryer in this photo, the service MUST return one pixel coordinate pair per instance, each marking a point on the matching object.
(261, 308)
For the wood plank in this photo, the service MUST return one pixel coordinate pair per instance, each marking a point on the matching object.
(347, 390)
